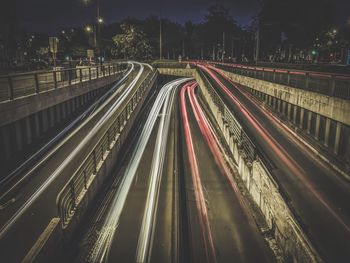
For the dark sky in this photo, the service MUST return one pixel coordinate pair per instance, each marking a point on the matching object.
(51, 15)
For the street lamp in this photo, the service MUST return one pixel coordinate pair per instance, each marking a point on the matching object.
(100, 20)
(88, 29)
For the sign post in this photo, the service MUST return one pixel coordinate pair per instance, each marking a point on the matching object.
(53, 43)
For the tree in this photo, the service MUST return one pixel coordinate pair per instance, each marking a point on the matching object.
(131, 43)
(218, 26)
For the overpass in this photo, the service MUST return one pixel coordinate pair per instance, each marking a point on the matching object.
(186, 162)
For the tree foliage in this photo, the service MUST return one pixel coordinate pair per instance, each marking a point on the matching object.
(131, 43)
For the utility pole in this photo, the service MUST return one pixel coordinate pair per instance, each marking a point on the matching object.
(183, 49)
(232, 48)
(160, 37)
(257, 49)
(223, 47)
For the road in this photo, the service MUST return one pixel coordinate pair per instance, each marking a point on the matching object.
(29, 201)
(129, 211)
(316, 192)
(221, 226)
(166, 205)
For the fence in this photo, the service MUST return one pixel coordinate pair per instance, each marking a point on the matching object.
(325, 83)
(19, 85)
(70, 195)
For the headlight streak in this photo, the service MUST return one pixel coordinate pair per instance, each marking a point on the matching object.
(197, 184)
(89, 112)
(72, 155)
(102, 245)
(145, 242)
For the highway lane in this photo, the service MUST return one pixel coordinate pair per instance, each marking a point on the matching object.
(222, 228)
(35, 203)
(318, 194)
(129, 220)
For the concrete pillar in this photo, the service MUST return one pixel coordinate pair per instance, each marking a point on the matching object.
(295, 112)
(317, 127)
(44, 120)
(69, 108)
(58, 113)
(28, 131)
(52, 117)
(37, 125)
(279, 105)
(6, 142)
(309, 115)
(72, 102)
(326, 133)
(18, 134)
(289, 110)
(64, 110)
(274, 101)
(337, 137)
(283, 107)
(301, 117)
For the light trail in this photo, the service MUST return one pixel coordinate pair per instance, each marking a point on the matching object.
(90, 113)
(108, 114)
(197, 184)
(282, 154)
(144, 247)
(101, 248)
(212, 141)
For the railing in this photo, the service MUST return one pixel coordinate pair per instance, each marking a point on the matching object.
(334, 85)
(167, 64)
(73, 191)
(19, 85)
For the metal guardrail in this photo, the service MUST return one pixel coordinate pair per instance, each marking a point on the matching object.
(25, 84)
(72, 192)
(240, 136)
(335, 85)
(169, 65)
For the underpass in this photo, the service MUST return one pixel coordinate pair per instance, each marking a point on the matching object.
(186, 172)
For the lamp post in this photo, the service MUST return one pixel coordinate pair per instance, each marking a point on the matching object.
(96, 27)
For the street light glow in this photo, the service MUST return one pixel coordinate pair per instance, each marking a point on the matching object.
(88, 29)
(100, 20)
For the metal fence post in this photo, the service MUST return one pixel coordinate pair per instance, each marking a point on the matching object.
(10, 88)
(89, 73)
(55, 79)
(81, 75)
(333, 86)
(36, 83)
(69, 76)
(307, 80)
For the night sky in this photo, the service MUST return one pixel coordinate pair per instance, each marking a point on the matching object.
(52, 15)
